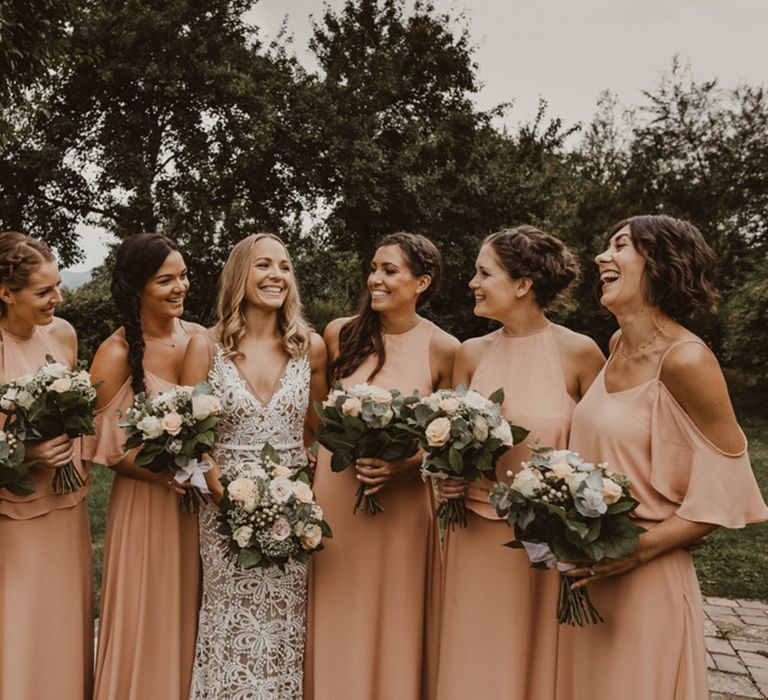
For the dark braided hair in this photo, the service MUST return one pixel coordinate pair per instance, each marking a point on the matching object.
(361, 336)
(525, 251)
(136, 260)
(20, 256)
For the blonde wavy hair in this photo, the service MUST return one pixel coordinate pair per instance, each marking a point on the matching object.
(230, 328)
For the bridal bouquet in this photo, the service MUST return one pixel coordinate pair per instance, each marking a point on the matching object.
(364, 421)
(564, 510)
(172, 431)
(49, 402)
(269, 514)
(463, 434)
(13, 469)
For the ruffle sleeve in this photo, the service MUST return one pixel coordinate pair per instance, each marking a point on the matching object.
(709, 485)
(106, 447)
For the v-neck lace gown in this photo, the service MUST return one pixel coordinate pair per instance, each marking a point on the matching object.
(252, 623)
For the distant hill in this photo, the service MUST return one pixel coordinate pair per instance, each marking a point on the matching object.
(75, 279)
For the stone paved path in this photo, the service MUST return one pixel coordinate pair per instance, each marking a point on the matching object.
(737, 648)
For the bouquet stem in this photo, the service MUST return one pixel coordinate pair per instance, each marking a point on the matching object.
(452, 514)
(67, 479)
(368, 504)
(575, 606)
(192, 500)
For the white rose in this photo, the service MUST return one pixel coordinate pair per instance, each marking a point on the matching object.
(24, 379)
(8, 398)
(438, 432)
(185, 389)
(330, 402)
(303, 492)
(281, 489)
(243, 535)
(611, 491)
(574, 481)
(25, 399)
(55, 370)
(249, 506)
(242, 489)
(150, 427)
(172, 423)
(205, 405)
(381, 396)
(503, 432)
(560, 464)
(281, 530)
(362, 390)
(527, 483)
(317, 512)
(311, 536)
(478, 401)
(450, 404)
(84, 376)
(480, 429)
(283, 471)
(352, 407)
(433, 401)
(61, 385)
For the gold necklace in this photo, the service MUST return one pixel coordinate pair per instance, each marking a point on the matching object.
(632, 353)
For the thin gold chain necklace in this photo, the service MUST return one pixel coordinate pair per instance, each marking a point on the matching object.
(632, 353)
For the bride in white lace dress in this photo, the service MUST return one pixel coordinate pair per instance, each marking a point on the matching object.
(265, 367)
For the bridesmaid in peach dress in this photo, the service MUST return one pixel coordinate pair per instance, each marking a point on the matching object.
(660, 413)
(494, 606)
(150, 585)
(370, 589)
(46, 613)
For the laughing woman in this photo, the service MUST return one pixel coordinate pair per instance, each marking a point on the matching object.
(46, 616)
(660, 413)
(494, 605)
(370, 586)
(150, 590)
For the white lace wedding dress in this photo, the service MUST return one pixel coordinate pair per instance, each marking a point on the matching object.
(250, 640)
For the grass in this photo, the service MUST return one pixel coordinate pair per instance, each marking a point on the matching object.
(733, 564)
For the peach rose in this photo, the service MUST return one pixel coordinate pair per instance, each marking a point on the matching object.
(61, 385)
(242, 489)
(381, 396)
(311, 536)
(611, 491)
(303, 492)
(438, 432)
(172, 423)
(352, 407)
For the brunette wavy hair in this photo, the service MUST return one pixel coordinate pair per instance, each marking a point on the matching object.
(294, 330)
(20, 256)
(136, 260)
(679, 264)
(361, 335)
(525, 251)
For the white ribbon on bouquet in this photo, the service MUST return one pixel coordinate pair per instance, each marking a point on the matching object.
(194, 473)
(540, 553)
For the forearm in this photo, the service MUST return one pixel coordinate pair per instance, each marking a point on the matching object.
(673, 533)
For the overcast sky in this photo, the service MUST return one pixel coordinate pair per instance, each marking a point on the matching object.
(569, 51)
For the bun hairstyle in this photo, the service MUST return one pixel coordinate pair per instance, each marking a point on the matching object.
(20, 256)
(136, 260)
(679, 264)
(525, 251)
(361, 336)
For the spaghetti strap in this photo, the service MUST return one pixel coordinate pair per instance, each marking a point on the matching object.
(698, 341)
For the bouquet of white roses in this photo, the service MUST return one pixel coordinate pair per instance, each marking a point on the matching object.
(269, 515)
(13, 469)
(463, 434)
(564, 510)
(364, 421)
(172, 431)
(49, 402)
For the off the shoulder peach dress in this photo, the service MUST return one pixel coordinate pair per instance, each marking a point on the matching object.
(46, 608)
(369, 588)
(651, 644)
(150, 588)
(499, 624)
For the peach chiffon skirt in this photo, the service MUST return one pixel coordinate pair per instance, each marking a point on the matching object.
(46, 613)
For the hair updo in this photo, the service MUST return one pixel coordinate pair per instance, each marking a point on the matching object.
(679, 264)
(525, 251)
(136, 260)
(20, 256)
(361, 336)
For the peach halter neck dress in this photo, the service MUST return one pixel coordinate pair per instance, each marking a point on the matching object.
(370, 588)
(651, 644)
(150, 589)
(498, 635)
(46, 609)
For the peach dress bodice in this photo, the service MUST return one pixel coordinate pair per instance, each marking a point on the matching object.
(22, 356)
(536, 398)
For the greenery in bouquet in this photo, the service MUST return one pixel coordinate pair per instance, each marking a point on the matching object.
(269, 515)
(463, 435)
(364, 421)
(13, 468)
(566, 510)
(49, 402)
(172, 432)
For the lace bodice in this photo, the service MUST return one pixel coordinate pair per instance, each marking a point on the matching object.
(252, 622)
